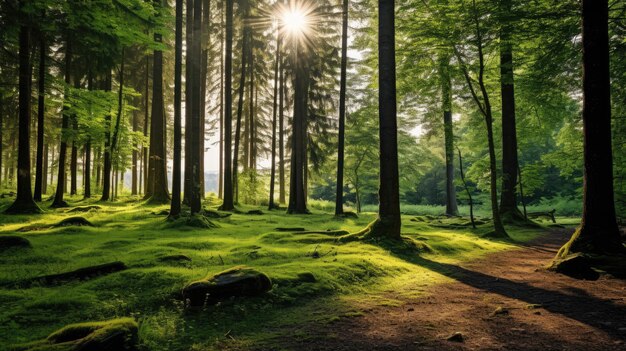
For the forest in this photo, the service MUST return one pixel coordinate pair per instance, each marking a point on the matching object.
(312, 175)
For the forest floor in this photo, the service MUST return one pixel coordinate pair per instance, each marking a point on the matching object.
(506, 301)
(364, 295)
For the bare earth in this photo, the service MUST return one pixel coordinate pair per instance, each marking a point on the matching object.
(503, 302)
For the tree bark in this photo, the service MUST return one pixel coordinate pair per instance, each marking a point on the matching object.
(106, 166)
(508, 196)
(24, 202)
(228, 203)
(220, 175)
(446, 98)
(277, 68)
(281, 136)
(188, 99)
(242, 86)
(39, 172)
(598, 231)
(178, 71)
(196, 113)
(158, 136)
(342, 111)
(388, 224)
(60, 190)
(297, 192)
(147, 188)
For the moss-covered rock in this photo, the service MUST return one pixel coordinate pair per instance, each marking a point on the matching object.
(113, 335)
(234, 282)
(74, 221)
(13, 242)
(84, 209)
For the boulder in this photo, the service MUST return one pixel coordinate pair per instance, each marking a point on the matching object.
(13, 242)
(234, 282)
(113, 335)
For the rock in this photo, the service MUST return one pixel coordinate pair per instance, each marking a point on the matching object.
(80, 274)
(255, 212)
(456, 337)
(577, 266)
(307, 277)
(113, 335)
(84, 209)
(234, 282)
(74, 221)
(13, 242)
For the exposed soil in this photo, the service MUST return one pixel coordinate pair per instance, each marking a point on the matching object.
(503, 302)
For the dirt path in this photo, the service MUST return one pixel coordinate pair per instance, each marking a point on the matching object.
(503, 302)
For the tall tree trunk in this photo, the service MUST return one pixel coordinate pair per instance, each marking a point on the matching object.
(281, 136)
(107, 164)
(158, 137)
(87, 172)
(389, 223)
(242, 86)
(508, 196)
(39, 172)
(206, 45)
(1, 133)
(196, 113)
(60, 190)
(188, 99)
(147, 188)
(297, 191)
(277, 68)
(24, 202)
(178, 71)
(446, 98)
(598, 231)
(342, 111)
(228, 204)
(220, 175)
(135, 158)
(44, 181)
(74, 155)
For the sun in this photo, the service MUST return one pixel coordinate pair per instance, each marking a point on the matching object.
(294, 21)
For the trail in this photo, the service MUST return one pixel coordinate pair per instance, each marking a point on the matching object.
(502, 302)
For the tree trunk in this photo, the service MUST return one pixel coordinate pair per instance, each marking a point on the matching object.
(277, 68)
(188, 99)
(196, 114)
(220, 175)
(228, 204)
(147, 188)
(158, 136)
(178, 71)
(446, 98)
(297, 192)
(206, 44)
(389, 223)
(39, 171)
(60, 190)
(24, 202)
(342, 111)
(281, 136)
(106, 167)
(120, 110)
(1, 133)
(242, 86)
(508, 196)
(598, 231)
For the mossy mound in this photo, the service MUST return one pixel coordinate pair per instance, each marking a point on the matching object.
(216, 214)
(194, 221)
(348, 214)
(174, 258)
(79, 274)
(255, 212)
(114, 335)
(13, 242)
(74, 221)
(293, 229)
(235, 282)
(84, 209)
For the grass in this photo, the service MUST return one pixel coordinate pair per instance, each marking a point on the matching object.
(348, 278)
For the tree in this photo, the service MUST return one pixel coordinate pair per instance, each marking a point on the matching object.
(277, 85)
(178, 71)
(598, 231)
(342, 110)
(158, 157)
(228, 203)
(24, 202)
(508, 200)
(60, 190)
(446, 99)
(388, 224)
(39, 175)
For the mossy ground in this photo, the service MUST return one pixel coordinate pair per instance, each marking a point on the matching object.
(348, 278)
